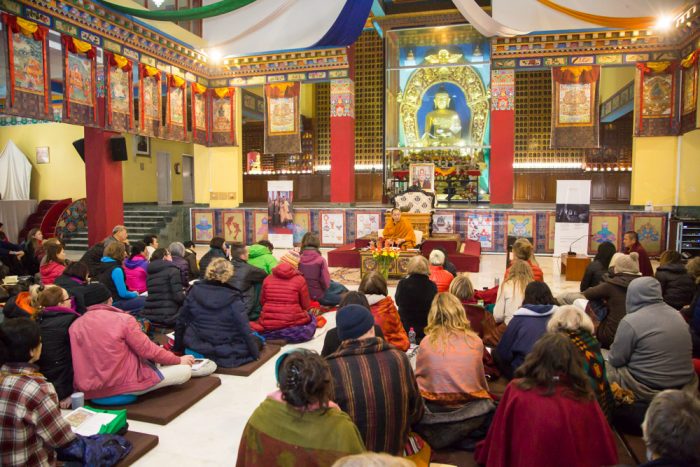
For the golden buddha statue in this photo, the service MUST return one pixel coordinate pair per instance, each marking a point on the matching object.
(443, 127)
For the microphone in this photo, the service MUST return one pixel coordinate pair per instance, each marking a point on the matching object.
(573, 253)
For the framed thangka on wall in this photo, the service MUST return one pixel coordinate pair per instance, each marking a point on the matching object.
(444, 223)
(223, 117)
(689, 91)
(575, 107)
(119, 96)
(176, 108)
(203, 225)
(302, 225)
(480, 229)
(259, 226)
(551, 232)
(200, 135)
(28, 77)
(80, 91)
(234, 226)
(332, 227)
(651, 231)
(282, 118)
(654, 106)
(149, 100)
(604, 227)
(366, 223)
(520, 226)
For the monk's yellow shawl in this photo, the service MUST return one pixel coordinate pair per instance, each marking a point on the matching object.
(403, 229)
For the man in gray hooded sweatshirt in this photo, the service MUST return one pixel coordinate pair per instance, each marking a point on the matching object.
(652, 350)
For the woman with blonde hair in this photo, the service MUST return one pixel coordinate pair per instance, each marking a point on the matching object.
(577, 326)
(512, 291)
(414, 294)
(524, 251)
(462, 288)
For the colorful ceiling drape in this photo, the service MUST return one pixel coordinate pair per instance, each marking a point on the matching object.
(149, 100)
(655, 99)
(223, 116)
(575, 109)
(28, 87)
(282, 118)
(176, 108)
(80, 87)
(207, 11)
(119, 102)
(200, 133)
(689, 91)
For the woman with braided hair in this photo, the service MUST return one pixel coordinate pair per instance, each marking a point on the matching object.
(299, 424)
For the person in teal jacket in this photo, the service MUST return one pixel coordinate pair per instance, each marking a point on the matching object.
(260, 256)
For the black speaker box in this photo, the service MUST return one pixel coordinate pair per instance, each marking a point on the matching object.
(79, 145)
(118, 147)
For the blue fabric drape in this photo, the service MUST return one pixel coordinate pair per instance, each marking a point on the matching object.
(348, 26)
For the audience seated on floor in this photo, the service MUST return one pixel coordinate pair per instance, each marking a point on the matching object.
(652, 350)
(630, 241)
(112, 356)
(246, 279)
(33, 426)
(438, 274)
(11, 255)
(54, 265)
(177, 252)
(212, 322)
(386, 316)
(672, 430)
(33, 251)
(299, 414)
(692, 313)
(676, 284)
(332, 341)
(607, 299)
(548, 415)
(111, 274)
(577, 326)
(462, 288)
(524, 251)
(217, 249)
(511, 293)
(414, 296)
(451, 378)
(529, 323)
(447, 265)
(191, 258)
(365, 369)
(598, 267)
(136, 267)
(93, 257)
(151, 242)
(22, 301)
(55, 316)
(285, 301)
(314, 268)
(260, 256)
(165, 291)
(75, 281)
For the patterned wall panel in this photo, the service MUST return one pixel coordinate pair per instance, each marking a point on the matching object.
(369, 98)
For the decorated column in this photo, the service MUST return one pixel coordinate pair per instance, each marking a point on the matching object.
(502, 135)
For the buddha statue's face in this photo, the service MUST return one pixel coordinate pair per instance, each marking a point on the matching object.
(442, 100)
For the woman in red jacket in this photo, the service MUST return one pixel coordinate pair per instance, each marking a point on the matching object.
(386, 316)
(285, 300)
(54, 265)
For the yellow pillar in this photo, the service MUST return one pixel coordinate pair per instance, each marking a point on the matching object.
(654, 166)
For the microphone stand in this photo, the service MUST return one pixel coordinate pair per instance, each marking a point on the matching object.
(573, 253)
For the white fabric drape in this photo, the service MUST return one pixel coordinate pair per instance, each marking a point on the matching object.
(484, 23)
(15, 173)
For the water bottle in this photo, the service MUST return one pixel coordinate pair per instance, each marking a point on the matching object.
(412, 336)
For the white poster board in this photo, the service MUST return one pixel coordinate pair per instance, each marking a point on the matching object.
(572, 216)
(280, 213)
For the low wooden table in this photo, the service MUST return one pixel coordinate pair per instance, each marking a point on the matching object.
(574, 266)
(398, 268)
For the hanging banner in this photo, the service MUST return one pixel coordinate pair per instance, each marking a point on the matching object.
(575, 113)
(28, 86)
(572, 216)
(119, 77)
(176, 108)
(689, 92)
(282, 117)
(80, 87)
(280, 215)
(502, 90)
(655, 94)
(149, 100)
(200, 135)
(223, 117)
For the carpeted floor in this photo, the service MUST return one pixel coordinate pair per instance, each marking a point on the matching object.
(351, 276)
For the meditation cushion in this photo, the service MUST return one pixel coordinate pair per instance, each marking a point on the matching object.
(121, 399)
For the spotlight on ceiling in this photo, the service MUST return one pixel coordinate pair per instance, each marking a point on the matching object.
(215, 55)
(157, 3)
(664, 23)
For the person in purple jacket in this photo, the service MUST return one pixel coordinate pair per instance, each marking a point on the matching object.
(314, 268)
(135, 268)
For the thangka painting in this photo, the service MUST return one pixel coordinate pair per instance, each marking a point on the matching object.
(651, 231)
(302, 225)
(223, 117)
(575, 107)
(79, 94)
(520, 226)
(480, 229)
(342, 98)
(654, 99)
(177, 106)
(282, 118)
(366, 223)
(551, 231)
(259, 226)
(28, 83)
(119, 108)
(199, 114)
(689, 92)
(332, 228)
(604, 228)
(203, 225)
(234, 226)
(150, 101)
(444, 223)
(503, 90)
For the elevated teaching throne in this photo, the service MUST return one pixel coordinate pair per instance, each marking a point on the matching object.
(416, 206)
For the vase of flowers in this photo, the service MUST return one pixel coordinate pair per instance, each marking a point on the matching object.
(384, 258)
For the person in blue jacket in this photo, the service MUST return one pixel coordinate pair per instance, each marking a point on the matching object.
(529, 323)
(111, 274)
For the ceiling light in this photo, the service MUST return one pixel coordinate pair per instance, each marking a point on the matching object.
(157, 3)
(215, 55)
(664, 23)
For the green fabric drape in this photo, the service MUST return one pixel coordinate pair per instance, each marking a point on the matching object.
(215, 9)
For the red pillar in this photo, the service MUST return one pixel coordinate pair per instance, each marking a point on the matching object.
(502, 136)
(343, 136)
(105, 196)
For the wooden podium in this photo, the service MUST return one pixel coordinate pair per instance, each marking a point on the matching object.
(574, 266)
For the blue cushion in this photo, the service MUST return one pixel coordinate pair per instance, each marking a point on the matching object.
(193, 353)
(121, 399)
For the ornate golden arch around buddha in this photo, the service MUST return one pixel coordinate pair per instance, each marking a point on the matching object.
(466, 78)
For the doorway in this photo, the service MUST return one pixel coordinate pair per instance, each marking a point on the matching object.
(187, 179)
(165, 191)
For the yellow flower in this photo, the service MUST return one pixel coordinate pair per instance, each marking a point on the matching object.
(384, 253)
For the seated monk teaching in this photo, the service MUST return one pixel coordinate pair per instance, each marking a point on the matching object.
(399, 230)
